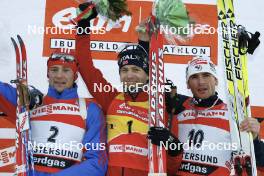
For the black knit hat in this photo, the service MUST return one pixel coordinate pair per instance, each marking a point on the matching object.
(134, 54)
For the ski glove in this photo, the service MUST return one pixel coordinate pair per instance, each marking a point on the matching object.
(173, 100)
(85, 23)
(159, 135)
(170, 97)
(35, 97)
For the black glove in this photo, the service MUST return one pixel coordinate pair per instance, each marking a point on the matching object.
(171, 97)
(159, 135)
(174, 102)
(85, 23)
(35, 97)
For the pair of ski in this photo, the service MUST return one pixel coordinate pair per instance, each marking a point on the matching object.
(157, 154)
(24, 155)
(235, 66)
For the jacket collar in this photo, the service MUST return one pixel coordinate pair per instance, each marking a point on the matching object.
(68, 93)
(136, 97)
(208, 101)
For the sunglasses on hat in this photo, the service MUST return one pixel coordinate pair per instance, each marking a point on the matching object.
(62, 56)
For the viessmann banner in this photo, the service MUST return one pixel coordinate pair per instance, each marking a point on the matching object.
(59, 32)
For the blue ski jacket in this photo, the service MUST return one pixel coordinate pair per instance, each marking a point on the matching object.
(92, 160)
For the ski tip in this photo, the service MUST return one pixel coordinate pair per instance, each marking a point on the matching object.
(19, 38)
(13, 41)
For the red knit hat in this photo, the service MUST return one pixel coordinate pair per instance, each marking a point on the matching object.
(65, 57)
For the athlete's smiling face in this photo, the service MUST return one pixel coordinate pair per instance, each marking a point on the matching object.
(60, 77)
(202, 85)
(132, 74)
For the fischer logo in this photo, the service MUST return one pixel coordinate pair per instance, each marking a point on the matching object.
(235, 51)
(227, 52)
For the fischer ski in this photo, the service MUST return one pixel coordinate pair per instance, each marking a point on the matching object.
(243, 159)
(157, 154)
(240, 62)
(24, 155)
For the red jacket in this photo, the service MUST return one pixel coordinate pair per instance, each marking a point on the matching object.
(92, 76)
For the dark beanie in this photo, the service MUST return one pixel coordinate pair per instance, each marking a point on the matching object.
(134, 54)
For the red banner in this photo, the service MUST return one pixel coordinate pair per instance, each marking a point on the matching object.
(105, 41)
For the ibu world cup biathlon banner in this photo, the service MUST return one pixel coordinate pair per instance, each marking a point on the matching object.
(108, 36)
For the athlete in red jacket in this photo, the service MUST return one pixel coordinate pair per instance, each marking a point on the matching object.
(127, 112)
(203, 124)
